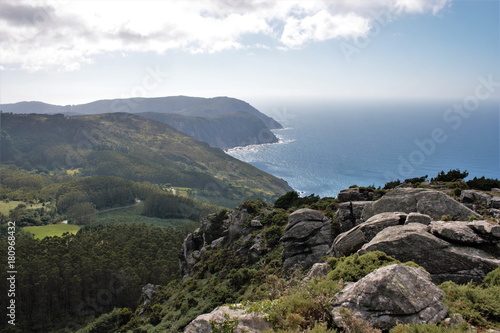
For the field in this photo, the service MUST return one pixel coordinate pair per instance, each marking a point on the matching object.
(133, 215)
(52, 230)
(6, 207)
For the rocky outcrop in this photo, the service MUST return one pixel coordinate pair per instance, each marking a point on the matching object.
(350, 214)
(234, 317)
(215, 231)
(352, 240)
(431, 202)
(307, 238)
(147, 294)
(443, 259)
(355, 194)
(472, 196)
(391, 295)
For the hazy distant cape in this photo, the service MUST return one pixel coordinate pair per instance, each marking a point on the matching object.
(221, 122)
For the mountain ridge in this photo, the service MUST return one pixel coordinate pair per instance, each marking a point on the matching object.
(222, 122)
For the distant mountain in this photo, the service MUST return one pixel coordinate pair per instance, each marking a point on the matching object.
(221, 121)
(134, 148)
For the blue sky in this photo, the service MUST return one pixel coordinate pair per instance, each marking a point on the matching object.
(72, 52)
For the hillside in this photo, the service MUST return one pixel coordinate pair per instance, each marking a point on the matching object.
(281, 268)
(222, 122)
(133, 148)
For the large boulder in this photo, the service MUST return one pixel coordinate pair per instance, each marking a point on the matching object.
(352, 240)
(431, 202)
(442, 259)
(307, 238)
(350, 214)
(228, 316)
(391, 295)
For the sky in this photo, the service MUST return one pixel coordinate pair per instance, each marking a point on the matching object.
(72, 51)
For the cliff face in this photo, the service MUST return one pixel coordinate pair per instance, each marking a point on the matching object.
(225, 131)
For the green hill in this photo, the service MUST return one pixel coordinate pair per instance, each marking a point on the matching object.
(221, 122)
(133, 148)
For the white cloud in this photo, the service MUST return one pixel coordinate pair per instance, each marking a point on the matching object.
(64, 35)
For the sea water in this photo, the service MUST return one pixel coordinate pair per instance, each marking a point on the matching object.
(329, 147)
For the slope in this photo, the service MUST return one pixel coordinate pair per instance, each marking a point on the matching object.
(134, 148)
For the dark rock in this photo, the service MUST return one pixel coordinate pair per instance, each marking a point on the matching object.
(350, 214)
(148, 293)
(352, 240)
(443, 260)
(495, 202)
(433, 203)
(307, 238)
(391, 295)
(418, 218)
(472, 196)
(354, 194)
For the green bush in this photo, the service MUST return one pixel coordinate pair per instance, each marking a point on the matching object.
(355, 267)
(478, 305)
(450, 176)
(273, 235)
(492, 279)
(428, 328)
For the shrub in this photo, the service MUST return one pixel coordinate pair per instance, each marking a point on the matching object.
(478, 305)
(292, 199)
(428, 328)
(391, 185)
(450, 176)
(492, 279)
(353, 324)
(355, 267)
(416, 180)
(484, 184)
(273, 235)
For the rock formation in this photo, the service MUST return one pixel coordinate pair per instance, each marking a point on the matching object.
(431, 202)
(307, 238)
(351, 241)
(391, 295)
(445, 260)
(236, 318)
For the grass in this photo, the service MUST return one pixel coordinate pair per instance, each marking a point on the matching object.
(133, 215)
(52, 230)
(6, 207)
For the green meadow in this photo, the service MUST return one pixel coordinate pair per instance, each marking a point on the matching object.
(52, 230)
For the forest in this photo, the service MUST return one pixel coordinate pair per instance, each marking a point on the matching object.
(63, 282)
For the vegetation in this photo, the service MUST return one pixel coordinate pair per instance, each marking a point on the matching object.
(478, 304)
(52, 230)
(451, 176)
(132, 148)
(65, 281)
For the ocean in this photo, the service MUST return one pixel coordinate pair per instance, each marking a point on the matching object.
(328, 147)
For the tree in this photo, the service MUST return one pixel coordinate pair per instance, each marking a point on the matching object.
(451, 176)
